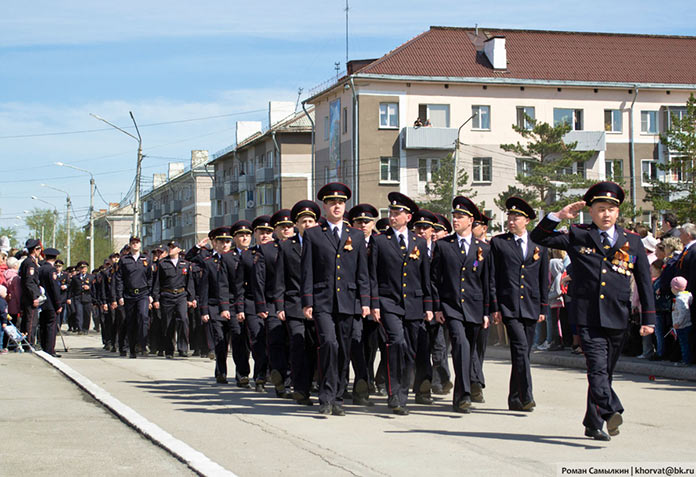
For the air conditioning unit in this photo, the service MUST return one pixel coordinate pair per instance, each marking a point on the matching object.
(250, 204)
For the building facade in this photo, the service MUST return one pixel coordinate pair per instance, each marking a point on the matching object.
(617, 92)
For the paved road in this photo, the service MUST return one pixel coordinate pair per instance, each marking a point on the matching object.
(50, 427)
(256, 434)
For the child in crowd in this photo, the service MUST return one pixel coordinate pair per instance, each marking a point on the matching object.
(681, 317)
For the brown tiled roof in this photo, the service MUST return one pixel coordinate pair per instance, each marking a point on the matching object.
(545, 55)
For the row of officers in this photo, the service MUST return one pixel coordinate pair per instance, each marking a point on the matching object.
(316, 294)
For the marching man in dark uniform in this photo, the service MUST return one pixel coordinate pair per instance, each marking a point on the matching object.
(29, 280)
(401, 298)
(133, 285)
(81, 296)
(173, 293)
(215, 302)
(603, 256)
(522, 287)
(463, 289)
(288, 304)
(48, 277)
(334, 273)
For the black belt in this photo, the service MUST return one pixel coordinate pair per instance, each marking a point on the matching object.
(175, 291)
(135, 291)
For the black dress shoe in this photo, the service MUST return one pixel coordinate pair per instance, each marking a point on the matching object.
(133, 356)
(169, 356)
(447, 387)
(243, 383)
(464, 406)
(362, 400)
(381, 391)
(423, 399)
(221, 379)
(325, 410)
(113, 349)
(122, 353)
(477, 393)
(183, 354)
(437, 390)
(302, 399)
(337, 410)
(597, 434)
(613, 423)
(260, 388)
(284, 394)
(400, 411)
(55, 355)
(528, 406)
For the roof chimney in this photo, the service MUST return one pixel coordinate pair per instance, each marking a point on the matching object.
(158, 179)
(494, 48)
(198, 158)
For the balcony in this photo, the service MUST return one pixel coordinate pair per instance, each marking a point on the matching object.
(265, 174)
(231, 187)
(230, 219)
(217, 221)
(429, 138)
(265, 210)
(174, 206)
(250, 214)
(587, 140)
(217, 193)
(148, 217)
(178, 231)
(157, 214)
(247, 182)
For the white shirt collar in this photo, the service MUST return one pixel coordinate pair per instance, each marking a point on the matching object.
(466, 238)
(688, 245)
(338, 226)
(611, 232)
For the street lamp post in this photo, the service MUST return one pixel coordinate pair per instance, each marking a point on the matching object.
(55, 219)
(456, 156)
(136, 200)
(68, 204)
(91, 209)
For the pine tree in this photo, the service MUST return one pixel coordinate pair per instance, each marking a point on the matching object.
(439, 189)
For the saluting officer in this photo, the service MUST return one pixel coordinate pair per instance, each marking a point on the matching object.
(401, 298)
(81, 296)
(133, 285)
(48, 277)
(365, 339)
(288, 304)
(29, 280)
(603, 256)
(245, 300)
(264, 279)
(522, 287)
(334, 273)
(463, 288)
(215, 302)
(173, 293)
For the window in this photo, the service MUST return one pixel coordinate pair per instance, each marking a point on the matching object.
(648, 122)
(612, 120)
(482, 118)
(614, 169)
(524, 166)
(482, 169)
(389, 115)
(648, 171)
(522, 121)
(383, 213)
(438, 115)
(326, 128)
(572, 117)
(389, 169)
(269, 159)
(345, 120)
(426, 168)
(674, 113)
(580, 169)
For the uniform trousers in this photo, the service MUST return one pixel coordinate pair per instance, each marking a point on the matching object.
(439, 345)
(334, 333)
(240, 349)
(156, 336)
(29, 322)
(478, 356)
(174, 319)
(220, 328)
(602, 348)
(137, 321)
(118, 330)
(47, 324)
(521, 334)
(462, 334)
(357, 351)
(303, 353)
(277, 345)
(256, 331)
(83, 314)
(107, 325)
(374, 338)
(403, 336)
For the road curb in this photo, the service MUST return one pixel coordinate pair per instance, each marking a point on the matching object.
(625, 364)
(195, 460)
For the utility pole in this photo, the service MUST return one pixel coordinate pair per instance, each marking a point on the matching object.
(347, 33)
(67, 230)
(92, 187)
(456, 156)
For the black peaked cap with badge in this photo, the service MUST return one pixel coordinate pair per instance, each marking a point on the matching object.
(262, 222)
(51, 252)
(464, 205)
(382, 225)
(517, 205)
(424, 218)
(31, 244)
(220, 233)
(606, 191)
(443, 223)
(397, 201)
(363, 211)
(241, 226)
(305, 208)
(282, 217)
(334, 190)
(174, 243)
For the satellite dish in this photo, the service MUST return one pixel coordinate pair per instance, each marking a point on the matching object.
(250, 204)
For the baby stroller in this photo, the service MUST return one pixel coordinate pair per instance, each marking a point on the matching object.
(17, 338)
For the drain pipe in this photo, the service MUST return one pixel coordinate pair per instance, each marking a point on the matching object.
(356, 158)
(633, 154)
(312, 154)
(280, 172)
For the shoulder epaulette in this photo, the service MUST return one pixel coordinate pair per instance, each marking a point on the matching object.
(582, 226)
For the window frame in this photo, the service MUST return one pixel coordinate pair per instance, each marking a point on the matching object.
(520, 117)
(481, 169)
(388, 116)
(655, 122)
(477, 119)
(575, 118)
(390, 170)
(653, 171)
(612, 163)
(522, 171)
(614, 115)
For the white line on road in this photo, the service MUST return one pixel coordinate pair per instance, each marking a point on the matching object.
(197, 461)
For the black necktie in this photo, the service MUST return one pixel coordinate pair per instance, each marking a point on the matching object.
(519, 246)
(337, 239)
(462, 246)
(402, 242)
(605, 240)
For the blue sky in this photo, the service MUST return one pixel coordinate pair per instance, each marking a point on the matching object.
(175, 60)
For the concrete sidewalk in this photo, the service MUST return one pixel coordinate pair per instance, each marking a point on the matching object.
(50, 427)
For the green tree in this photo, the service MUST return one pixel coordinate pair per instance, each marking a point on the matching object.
(41, 223)
(680, 139)
(439, 189)
(10, 233)
(548, 176)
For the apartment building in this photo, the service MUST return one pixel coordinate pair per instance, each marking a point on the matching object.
(617, 91)
(267, 169)
(115, 224)
(178, 206)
